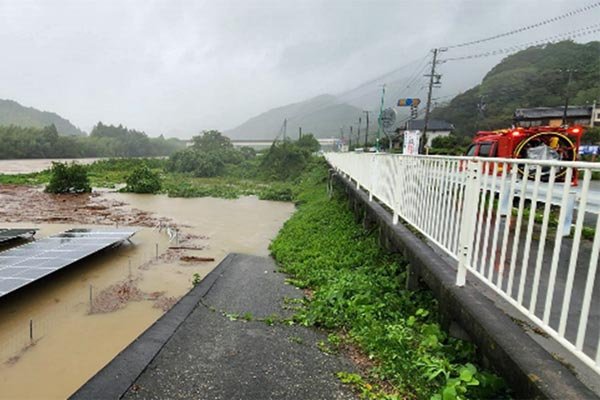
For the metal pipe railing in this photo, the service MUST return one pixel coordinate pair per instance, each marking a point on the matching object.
(507, 222)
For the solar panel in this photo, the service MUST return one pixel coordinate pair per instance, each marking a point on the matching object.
(32, 261)
(10, 234)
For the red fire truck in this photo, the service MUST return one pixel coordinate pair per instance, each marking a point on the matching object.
(537, 143)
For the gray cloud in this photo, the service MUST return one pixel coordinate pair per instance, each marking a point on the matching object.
(177, 67)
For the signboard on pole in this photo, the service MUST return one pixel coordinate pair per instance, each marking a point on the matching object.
(388, 119)
(412, 141)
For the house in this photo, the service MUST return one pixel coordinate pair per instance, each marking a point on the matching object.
(435, 128)
(553, 116)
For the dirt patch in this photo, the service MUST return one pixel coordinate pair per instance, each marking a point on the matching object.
(26, 203)
(120, 294)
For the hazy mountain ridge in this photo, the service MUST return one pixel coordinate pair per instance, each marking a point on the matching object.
(13, 113)
(322, 116)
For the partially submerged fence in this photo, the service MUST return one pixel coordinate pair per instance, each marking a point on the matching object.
(513, 224)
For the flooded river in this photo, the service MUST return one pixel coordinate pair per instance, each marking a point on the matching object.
(70, 344)
(26, 166)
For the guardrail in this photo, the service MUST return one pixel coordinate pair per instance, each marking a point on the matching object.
(507, 222)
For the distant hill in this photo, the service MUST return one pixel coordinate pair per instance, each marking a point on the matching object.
(534, 77)
(13, 113)
(322, 116)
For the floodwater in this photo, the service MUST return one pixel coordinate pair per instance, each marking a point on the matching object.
(69, 344)
(26, 166)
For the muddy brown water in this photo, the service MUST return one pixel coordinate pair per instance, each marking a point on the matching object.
(26, 166)
(69, 344)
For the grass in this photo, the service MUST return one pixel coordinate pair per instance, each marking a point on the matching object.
(111, 173)
(359, 296)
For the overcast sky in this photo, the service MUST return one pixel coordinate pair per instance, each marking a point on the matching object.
(177, 67)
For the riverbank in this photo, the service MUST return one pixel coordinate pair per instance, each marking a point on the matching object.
(131, 287)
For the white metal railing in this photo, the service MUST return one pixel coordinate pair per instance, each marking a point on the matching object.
(516, 235)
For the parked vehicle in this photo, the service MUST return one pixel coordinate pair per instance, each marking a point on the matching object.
(536, 143)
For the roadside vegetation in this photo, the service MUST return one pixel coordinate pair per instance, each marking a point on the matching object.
(356, 291)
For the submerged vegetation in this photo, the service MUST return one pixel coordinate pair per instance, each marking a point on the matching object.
(358, 293)
(212, 166)
(68, 178)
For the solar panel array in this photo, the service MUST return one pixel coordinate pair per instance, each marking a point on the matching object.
(10, 234)
(25, 264)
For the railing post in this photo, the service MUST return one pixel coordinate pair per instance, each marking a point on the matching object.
(468, 222)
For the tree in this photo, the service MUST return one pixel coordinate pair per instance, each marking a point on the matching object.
(308, 143)
(212, 141)
(143, 180)
(68, 178)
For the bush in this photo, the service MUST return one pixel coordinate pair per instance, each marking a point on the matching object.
(284, 161)
(197, 163)
(143, 180)
(308, 143)
(68, 178)
(277, 192)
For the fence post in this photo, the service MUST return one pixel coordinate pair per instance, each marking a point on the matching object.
(468, 221)
(566, 228)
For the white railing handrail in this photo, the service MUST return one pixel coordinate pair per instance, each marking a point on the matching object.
(461, 204)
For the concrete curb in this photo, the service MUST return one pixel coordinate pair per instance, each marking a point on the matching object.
(112, 381)
(528, 369)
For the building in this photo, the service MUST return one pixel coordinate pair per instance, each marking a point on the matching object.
(435, 128)
(553, 116)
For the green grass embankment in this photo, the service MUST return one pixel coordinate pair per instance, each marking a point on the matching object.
(358, 294)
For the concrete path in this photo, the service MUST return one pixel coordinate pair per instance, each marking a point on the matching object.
(213, 355)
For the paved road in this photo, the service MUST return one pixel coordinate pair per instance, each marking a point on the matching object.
(213, 356)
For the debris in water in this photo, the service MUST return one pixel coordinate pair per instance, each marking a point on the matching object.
(196, 259)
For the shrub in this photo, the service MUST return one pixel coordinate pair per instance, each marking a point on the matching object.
(143, 180)
(284, 161)
(277, 192)
(68, 178)
(197, 163)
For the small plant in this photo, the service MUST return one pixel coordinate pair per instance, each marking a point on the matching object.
(143, 180)
(68, 178)
(196, 279)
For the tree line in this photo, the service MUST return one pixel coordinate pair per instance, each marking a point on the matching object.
(103, 141)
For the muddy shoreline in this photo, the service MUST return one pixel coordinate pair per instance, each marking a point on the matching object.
(131, 286)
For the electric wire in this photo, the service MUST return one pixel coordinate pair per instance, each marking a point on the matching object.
(528, 27)
(588, 30)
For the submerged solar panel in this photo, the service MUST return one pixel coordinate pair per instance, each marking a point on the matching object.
(11, 234)
(32, 261)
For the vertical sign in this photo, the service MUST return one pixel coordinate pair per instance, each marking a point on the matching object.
(411, 142)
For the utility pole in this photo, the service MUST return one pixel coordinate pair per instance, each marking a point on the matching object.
(358, 132)
(350, 140)
(299, 132)
(367, 131)
(570, 72)
(379, 119)
(284, 128)
(434, 79)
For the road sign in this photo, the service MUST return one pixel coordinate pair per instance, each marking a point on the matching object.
(408, 102)
(388, 118)
(412, 140)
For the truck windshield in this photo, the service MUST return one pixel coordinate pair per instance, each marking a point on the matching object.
(471, 150)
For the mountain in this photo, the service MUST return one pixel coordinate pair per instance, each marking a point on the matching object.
(13, 113)
(535, 77)
(323, 116)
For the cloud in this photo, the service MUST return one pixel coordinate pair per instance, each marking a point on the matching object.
(177, 67)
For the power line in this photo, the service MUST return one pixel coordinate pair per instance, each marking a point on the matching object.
(551, 39)
(529, 27)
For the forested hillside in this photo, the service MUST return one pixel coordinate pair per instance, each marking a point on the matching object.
(13, 113)
(535, 77)
(104, 141)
